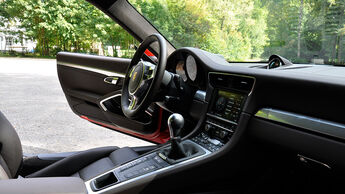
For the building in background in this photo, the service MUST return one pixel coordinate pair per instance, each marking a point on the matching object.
(10, 40)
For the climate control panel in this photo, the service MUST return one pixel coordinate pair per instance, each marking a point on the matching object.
(217, 128)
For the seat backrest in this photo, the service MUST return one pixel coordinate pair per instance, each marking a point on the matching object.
(11, 154)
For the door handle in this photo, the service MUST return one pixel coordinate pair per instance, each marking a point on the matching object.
(111, 80)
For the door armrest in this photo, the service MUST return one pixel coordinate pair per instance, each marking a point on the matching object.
(55, 156)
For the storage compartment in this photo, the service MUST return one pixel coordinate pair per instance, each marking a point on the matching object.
(111, 106)
(304, 142)
(104, 181)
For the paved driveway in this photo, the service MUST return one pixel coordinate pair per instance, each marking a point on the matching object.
(32, 100)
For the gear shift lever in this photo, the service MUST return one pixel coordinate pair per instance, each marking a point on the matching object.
(175, 123)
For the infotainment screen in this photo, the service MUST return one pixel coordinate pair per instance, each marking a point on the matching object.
(227, 105)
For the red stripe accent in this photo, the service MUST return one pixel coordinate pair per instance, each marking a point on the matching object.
(149, 53)
(157, 137)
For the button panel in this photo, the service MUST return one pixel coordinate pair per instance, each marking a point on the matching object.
(216, 133)
(219, 129)
(140, 167)
(207, 142)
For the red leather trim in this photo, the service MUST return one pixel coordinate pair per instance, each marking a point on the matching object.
(158, 136)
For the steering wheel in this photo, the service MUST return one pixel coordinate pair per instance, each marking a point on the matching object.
(143, 79)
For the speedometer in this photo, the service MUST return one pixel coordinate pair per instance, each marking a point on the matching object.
(191, 67)
(180, 70)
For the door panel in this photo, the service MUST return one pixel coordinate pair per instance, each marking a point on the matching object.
(92, 86)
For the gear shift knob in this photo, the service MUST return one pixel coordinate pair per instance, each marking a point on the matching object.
(175, 123)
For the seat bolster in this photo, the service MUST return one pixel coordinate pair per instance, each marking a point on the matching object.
(74, 163)
(122, 155)
(11, 148)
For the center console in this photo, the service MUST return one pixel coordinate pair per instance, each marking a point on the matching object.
(221, 119)
(227, 96)
(144, 168)
(136, 168)
(175, 154)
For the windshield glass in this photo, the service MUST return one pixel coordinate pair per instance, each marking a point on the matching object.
(242, 30)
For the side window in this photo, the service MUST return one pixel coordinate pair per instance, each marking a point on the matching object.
(76, 26)
(107, 38)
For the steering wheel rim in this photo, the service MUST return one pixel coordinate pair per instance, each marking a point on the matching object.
(129, 105)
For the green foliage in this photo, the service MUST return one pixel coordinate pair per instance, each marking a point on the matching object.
(240, 30)
(66, 25)
(232, 28)
(253, 29)
(320, 28)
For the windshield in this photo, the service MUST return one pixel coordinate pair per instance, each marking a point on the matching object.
(241, 30)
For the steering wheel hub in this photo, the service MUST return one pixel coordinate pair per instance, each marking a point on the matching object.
(136, 77)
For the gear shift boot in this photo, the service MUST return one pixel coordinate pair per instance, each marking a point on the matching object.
(190, 150)
(178, 150)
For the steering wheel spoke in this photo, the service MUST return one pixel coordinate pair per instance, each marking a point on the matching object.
(132, 102)
(150, 71)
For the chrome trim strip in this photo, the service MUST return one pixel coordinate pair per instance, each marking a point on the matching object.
(200, 95)
(238, 75)
(309, 123)
(105, 99)
(101, 71)
(149, 176)
(306, 159)
(220, 118)
(229, 130)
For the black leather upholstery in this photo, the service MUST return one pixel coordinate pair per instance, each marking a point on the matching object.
(117, 157)
(84, 164)
(11, 154)
(87, 164)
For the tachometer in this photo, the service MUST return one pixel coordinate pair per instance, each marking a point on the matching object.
(191, 67)
(180, 70)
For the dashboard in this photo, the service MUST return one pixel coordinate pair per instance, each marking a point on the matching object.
(296, 107)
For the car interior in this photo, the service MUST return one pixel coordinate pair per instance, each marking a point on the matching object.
(218, 126)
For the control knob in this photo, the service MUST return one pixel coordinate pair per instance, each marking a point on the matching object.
(221, 104)
(223, 134)
(208, 127)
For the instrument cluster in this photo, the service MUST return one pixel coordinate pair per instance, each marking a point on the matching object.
(187, 68)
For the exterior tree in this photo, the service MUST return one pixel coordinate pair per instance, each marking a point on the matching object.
(300, 30)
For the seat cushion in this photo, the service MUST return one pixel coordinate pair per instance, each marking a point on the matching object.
(87, 164)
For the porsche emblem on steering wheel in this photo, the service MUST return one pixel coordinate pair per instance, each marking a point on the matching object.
(134, 76)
